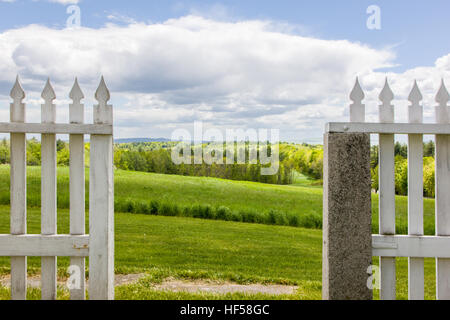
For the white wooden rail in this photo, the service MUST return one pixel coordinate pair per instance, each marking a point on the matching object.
(99, 244)
(415, 246)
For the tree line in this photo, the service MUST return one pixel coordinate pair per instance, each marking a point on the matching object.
(293, 158)
(156, 157)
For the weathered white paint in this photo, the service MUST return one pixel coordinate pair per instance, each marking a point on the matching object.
(411, 246)
(387, 193)
(60, 128)
(357, 109)
(18, 224)
(77, 185)
(48, 191)
(101, 204)
(48, 245)
(414, 246)
(35, 245)
(442, 176)
(416, 287)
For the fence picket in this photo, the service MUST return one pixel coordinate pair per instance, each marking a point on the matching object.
(415, 195)
(442, 176)
(98, 245)
(48, 192)
(18, 223)
(101, 203)
(77, 189)
(387, 193)
(357, 109)
(387, 245)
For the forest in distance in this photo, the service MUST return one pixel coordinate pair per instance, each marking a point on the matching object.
(294, 160)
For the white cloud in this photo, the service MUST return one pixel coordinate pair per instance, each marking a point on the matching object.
(245, 73)
(65, 2)
(121, 18)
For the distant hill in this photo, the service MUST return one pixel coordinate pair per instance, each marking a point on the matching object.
(131, 140)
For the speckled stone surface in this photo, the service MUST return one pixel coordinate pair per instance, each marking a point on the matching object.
(347, 230)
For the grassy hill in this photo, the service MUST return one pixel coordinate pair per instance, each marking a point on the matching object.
(187, 248)
(195, 248)
(298, 205)
(174, 195)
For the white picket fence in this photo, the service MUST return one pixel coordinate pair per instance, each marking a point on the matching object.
(415, 246)
(99, 244)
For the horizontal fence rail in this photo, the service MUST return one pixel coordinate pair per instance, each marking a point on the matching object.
(414, 246)
(32, 245)
(56, 128)
(411, 246)
(388, 128)
(98, 245)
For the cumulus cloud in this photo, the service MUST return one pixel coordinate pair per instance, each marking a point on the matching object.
(245, 73)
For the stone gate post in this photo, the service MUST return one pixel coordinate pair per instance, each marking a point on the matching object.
(347, 234)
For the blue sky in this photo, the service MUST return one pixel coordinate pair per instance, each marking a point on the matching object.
(415, 28)
(412, 36)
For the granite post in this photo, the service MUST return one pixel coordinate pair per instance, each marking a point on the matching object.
(347, 227)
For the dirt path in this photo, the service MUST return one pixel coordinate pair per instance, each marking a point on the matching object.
(175, 285)
(35, 281)
(223, 287)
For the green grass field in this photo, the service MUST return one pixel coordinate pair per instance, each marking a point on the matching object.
(188, 248)
(136, 191)
(195, 248)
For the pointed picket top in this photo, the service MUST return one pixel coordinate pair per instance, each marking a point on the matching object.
(415, 110)
(386, 95)
(386, 109)
(442, 96)
(103, 112)
(76, 109)
(17, 92)
(48, 94)
(17, 108)
(357, 94)
(415, 96)
(357, 108)
(76, 94)
(102, 94)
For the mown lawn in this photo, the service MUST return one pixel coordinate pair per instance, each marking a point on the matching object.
(299, 200)
(195, 248)
(226, 250)
(190, 248)
(182, 190)
(137, 191)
